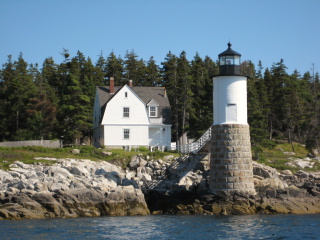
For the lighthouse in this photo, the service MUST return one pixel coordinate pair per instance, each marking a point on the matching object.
(231, 160)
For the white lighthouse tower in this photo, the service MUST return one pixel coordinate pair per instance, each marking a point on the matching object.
(231, 160)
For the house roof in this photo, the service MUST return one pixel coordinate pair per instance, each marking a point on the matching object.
(146, 94)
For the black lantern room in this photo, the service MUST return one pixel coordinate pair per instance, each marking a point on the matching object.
(229, 62)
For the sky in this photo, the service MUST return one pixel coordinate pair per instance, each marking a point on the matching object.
(265, 30)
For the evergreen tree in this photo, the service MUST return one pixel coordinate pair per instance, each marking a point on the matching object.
(313, 117)
(19, 88)
(75, 113)
(185, 94)
(6, 76)
(201, 113)
(256, 114)
(114, 68)
(100, 71)
(276, 86)
(170, 82)
(153, 75)
(134, 69)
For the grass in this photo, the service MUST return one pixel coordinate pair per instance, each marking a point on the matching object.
(27, 155)
(277, 158)
(271, 157)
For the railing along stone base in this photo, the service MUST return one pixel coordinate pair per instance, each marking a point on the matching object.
(231, 160)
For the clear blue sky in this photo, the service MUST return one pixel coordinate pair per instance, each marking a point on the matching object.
(265, 30)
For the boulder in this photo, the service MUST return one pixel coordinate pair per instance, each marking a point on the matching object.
(289, 153)
(271, 183)
(75, 151)
(264, 171)
(53, 171)
(79, 170)
(301, 163)
(106, 154)
(286, 172)
(5, 176)
(134, 163)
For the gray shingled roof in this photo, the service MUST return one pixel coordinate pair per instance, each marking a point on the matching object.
(146, 94)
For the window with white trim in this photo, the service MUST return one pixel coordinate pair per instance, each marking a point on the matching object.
(126, 133)
(126, 112)
(153, 111)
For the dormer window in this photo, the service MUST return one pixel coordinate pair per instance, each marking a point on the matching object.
(153, 111)
(153, 108)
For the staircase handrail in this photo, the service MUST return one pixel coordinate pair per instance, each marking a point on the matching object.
(197, 145)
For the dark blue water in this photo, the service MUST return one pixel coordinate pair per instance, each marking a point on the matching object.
(167, 227)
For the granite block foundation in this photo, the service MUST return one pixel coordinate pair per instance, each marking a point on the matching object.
(231, 160)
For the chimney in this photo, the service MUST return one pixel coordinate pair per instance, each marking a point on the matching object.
(165, 92)
(111, 85)
(130, 83)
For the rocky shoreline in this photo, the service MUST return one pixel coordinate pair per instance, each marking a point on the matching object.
(85, 188)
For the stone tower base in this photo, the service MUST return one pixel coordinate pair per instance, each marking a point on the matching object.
(231, 160)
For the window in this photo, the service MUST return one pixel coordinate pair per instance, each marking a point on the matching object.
(152, 111)
(231, 112)
(125, 94)
(126, 133)
(126, 112)
(229, 60)
(223, 60)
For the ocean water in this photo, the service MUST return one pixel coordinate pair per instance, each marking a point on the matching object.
(167, 227)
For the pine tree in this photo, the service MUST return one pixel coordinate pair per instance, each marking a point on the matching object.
(114, 68)
(185, 94)
(100, 71)
(201, 112)
(276, 89)
(19, 88)
(170, 82)
(153, 75)
(256, 115)
(6, 76)
(134, 69)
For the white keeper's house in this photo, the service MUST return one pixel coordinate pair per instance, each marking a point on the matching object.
(129, 116)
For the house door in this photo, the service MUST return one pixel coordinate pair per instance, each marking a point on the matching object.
(231, 112)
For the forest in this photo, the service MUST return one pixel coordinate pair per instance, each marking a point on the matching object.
(55, 100)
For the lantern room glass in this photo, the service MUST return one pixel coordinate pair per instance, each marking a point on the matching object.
(229, 60)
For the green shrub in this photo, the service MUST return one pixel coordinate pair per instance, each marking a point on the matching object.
(143, 149)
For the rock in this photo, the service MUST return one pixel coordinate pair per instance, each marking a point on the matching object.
(145, 177)
(79, 171)
(19, 170)
(21, 165)
(143, 162)
(168, 157)
(264, 171)
(106, 154)
(302, 174)
(286, 172)
(13, 174)
(134, 163)
(75, 151)
(5, 176)
(289, 153)
(301, 163)
(273, 183)
(40, 187)
(53, 171)
(53, 191)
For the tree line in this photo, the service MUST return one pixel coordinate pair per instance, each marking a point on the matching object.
(55, 100)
